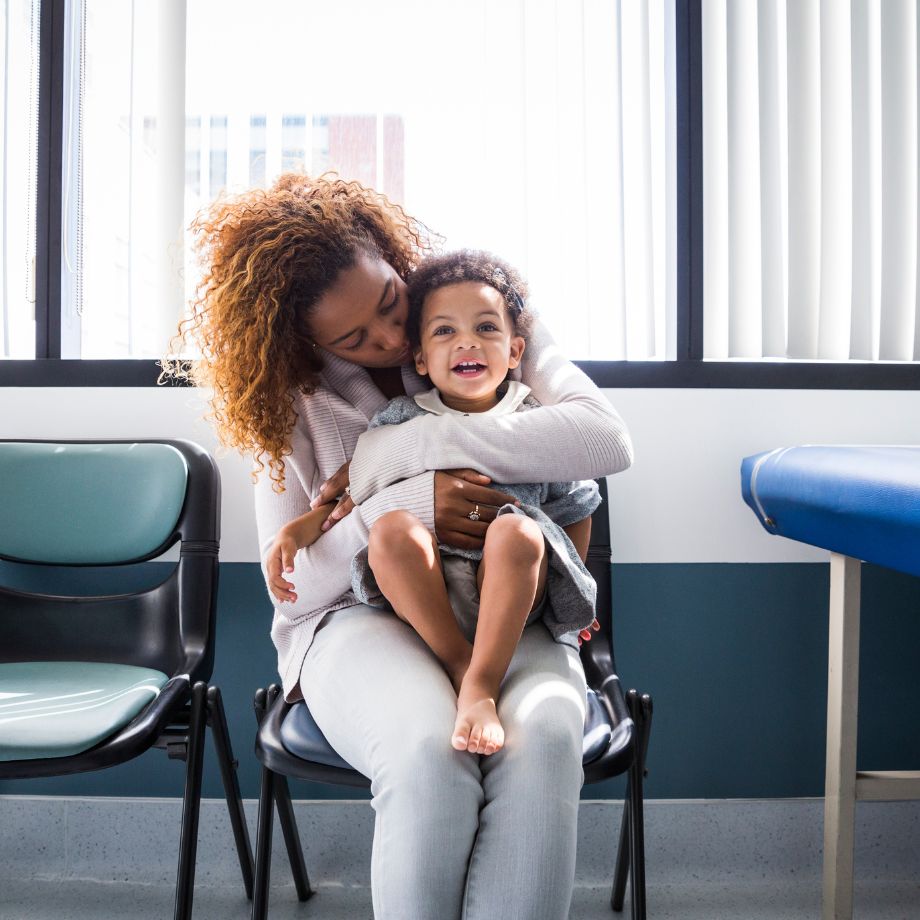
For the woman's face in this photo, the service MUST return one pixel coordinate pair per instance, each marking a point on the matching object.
(362, 317)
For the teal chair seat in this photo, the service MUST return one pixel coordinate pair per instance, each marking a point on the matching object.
(59, 708)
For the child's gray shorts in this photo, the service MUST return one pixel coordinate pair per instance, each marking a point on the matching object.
(460, 576)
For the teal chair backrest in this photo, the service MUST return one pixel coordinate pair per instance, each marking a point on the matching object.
(88, 504)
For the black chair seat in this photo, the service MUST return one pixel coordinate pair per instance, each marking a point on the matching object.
(303, 738)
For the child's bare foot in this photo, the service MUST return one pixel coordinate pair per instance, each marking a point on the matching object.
(477, 728)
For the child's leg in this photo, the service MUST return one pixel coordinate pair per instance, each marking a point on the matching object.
(512, 577)
(404, 558)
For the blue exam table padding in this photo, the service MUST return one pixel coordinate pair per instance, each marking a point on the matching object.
(59, 708)
(862, 502)
(303, 738)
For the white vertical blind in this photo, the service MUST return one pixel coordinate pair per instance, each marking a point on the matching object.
(19, 28)
(715, 180)
(669, 192)
(604, 161)
(744, 287)
(899, 178)
(170, 172)
(916, 67)
(803, 50)
(772, 100)
(866, 180)
(637, 179)
(810, 160)
(836, 169)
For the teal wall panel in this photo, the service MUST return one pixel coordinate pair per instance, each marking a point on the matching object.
(735, 657)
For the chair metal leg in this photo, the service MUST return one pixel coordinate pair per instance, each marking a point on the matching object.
(221, 735)
(264, 846)
(292, 838)
(631, 849)
(188, 841)
(642, 713)
(621, 873)
(282, 796)
(636, 851)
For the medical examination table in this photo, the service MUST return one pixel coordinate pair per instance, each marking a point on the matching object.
(861, 503)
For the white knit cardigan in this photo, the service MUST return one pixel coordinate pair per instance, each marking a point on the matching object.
(576, 434)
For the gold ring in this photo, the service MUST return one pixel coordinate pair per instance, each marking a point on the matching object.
(474, 514)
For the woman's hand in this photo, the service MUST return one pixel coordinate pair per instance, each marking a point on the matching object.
(334, 487)
(457, 494)
(584, 635)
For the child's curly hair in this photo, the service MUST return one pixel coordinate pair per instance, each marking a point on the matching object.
(468, 265)
(269, 255)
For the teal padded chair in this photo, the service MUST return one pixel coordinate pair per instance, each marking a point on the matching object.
(90, 682)
(615, 741)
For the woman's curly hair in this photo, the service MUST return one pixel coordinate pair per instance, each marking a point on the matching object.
(268, 257)
(468, 265)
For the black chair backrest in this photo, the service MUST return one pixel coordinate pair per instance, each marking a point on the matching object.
(597, 656)
(59, 496)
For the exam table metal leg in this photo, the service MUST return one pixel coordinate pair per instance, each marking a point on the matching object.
(842, 701)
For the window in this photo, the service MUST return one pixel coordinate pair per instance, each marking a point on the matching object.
(664, 248)
(510, 137)
(119, 236)
(19, 32)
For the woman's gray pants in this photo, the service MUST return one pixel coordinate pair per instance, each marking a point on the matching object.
(457, 835)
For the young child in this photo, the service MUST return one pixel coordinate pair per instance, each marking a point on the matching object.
(468, 326)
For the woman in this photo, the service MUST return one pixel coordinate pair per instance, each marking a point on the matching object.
(300, 320)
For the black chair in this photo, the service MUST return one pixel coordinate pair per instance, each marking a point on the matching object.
(90, 682)
(617, 726)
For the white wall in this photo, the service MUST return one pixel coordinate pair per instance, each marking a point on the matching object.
(680, 502)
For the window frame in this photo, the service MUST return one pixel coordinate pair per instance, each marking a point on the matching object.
(688, 370)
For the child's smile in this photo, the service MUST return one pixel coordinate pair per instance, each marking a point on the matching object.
(469, 369)
(468, 344)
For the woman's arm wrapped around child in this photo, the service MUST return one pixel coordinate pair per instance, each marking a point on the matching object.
(577, 433)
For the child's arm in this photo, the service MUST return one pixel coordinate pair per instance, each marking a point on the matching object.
(567, 503)
(302, 531)
(580, 534)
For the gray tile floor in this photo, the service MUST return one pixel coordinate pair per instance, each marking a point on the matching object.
(113, 859)
(776, 900)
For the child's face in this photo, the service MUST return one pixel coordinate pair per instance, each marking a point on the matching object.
(467, 344)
